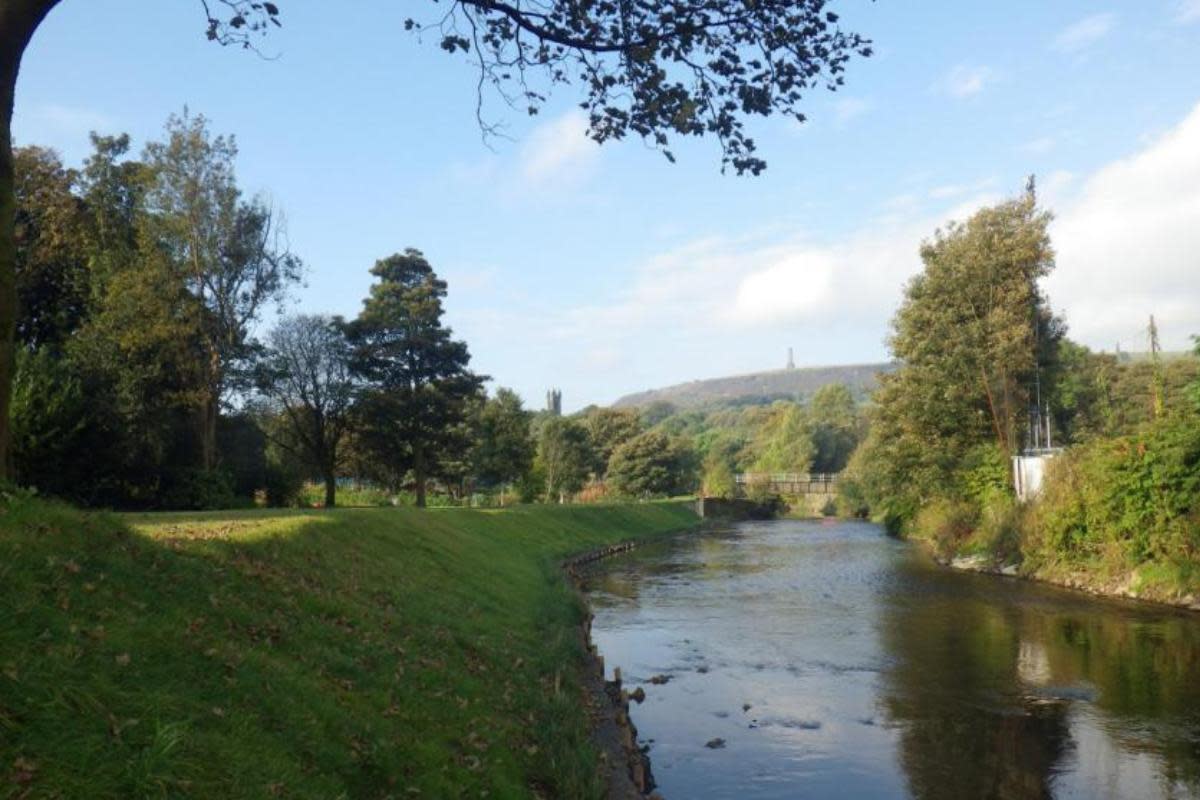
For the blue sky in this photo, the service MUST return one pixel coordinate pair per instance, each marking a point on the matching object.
(604, 270)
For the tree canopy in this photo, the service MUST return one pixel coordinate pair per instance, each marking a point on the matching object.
(656, 70)
(418, 378)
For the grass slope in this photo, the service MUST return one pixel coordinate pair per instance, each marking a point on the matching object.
(350, 653)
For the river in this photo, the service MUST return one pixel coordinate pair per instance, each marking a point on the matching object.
(823, 659)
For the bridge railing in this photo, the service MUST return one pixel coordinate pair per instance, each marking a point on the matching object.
(777, 478)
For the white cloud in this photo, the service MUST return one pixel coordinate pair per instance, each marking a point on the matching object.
(1128, 245)
(1126, 235)
(1187, 12)
(558, 151)
(1085, 32)
(966, 81)
(1127, 239)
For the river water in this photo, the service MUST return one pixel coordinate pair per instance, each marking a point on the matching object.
(832, 661)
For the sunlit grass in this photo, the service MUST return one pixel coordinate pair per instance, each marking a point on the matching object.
(348, 653)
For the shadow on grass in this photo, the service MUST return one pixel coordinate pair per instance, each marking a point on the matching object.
(350, 652)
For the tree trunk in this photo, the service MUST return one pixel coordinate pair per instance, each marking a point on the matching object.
(206, 420)
(419, 475)
(18, 20)
(330, 488)
(210, 408)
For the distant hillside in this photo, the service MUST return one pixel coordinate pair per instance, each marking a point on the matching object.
(760, 387)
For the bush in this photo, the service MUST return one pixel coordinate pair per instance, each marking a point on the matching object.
(985, 474)
(945, 524)
(1132, 499)
(1000, 529)
(719, 479)
(283, 484)
(595, 492)
(201, 490)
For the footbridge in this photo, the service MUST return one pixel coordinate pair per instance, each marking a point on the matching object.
(787, 483)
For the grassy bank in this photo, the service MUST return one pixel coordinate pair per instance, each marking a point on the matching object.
(349, 653)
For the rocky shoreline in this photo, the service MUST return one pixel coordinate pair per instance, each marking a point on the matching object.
(626, 765)
(1080, 581)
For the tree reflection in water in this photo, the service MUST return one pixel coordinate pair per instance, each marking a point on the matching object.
(996, 687)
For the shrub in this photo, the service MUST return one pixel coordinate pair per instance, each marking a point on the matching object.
(1134, 499)
(1000, 529)
(985, 474)
(946, 524)
(202, 490)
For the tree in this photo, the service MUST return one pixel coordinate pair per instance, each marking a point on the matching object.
(608, 429)
(109, 343)
(693, 68)
(563, 456)
(651, 464)
(974, 326)
(306, 375)
(784, 443)
(972, 332)
(417, 384)
(229, 252)
(833, 417)
(719, 479)
(52, 269)
(503, 448)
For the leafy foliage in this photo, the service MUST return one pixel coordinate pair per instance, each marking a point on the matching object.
(653, 70)
(563, 456)
(503, 448)
(652, 464)
(229, 253)
(414, 407)
(306, 376)
(971, 333)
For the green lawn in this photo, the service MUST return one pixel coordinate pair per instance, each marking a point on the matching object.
(349, 653)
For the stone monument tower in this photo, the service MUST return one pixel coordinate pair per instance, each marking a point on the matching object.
(554, 402)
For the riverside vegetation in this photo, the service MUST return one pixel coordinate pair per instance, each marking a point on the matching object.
(1120, 510)
(339, 653)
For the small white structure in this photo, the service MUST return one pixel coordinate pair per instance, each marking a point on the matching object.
(1029, 469)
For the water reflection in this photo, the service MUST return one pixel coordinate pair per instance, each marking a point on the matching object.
(835, 662)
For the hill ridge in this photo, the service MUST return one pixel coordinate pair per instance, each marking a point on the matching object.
(764, 385)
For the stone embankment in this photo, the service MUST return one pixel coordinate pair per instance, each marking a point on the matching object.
(627, 765)
(1121, 588)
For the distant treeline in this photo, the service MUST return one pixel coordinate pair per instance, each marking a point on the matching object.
(141, 382)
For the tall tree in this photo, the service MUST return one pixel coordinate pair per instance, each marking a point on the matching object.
(503, 447)
(784, 443)
(836, 427)
(971, 334)
(652, 464)
(564, 455)
(417, 381)
(306, 375)
(608, 429)
(974, 325)
(690, 68)
(229, 252)
(52, 269)
(18, 20)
